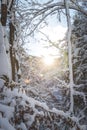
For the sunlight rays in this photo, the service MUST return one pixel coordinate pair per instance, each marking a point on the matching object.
(48, 60)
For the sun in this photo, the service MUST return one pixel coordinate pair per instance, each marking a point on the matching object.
(48, 60)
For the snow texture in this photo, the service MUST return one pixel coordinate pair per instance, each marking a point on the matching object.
(21, 110)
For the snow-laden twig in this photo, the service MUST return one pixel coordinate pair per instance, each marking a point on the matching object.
(80, 94)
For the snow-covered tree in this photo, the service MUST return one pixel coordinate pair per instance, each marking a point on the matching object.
(79, 45)
(79, 39)
(5, 67)
(8, 32)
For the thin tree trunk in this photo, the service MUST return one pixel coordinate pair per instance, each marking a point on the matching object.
(12, 52)
(11, 39)
(70, 56)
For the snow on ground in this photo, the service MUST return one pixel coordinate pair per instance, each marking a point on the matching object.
(30, 108)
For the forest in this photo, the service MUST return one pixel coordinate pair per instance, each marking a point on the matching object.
(43, 88)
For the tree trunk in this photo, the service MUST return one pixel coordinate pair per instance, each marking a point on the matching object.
(3, 14)
(11, 39)
(12, 52)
